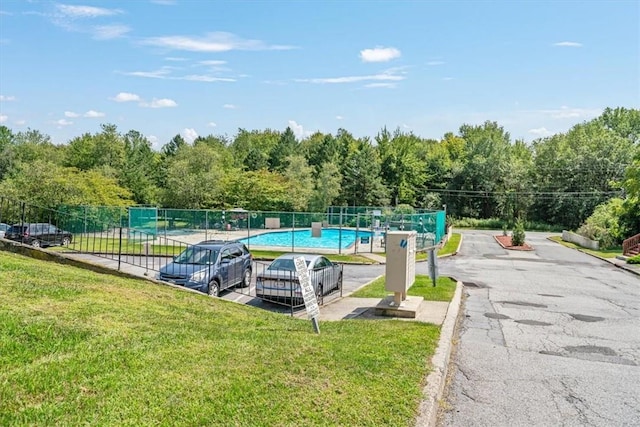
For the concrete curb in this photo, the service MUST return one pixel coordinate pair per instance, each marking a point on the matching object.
(456, 251)
(436, 380)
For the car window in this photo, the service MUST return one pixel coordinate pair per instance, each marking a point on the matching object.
(226, 254)
(53, 229)
(321, 263)
(236, 252)
(196, 255)
(284, 264)
(17, 229)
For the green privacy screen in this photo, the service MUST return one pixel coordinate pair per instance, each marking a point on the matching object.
(144, 219)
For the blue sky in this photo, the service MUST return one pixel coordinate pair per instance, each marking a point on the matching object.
(165, 67)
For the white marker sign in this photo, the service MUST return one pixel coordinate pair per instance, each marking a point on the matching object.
(308, 293)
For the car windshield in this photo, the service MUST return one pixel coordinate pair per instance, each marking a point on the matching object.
(17, 229)
(196, 255)
(284, 264)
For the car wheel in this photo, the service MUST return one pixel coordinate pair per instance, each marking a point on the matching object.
(66, 241)
(320, 294)
(36, 243)
(246, 278)
(214, 288)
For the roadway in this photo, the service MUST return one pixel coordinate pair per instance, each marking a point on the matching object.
(547, 338)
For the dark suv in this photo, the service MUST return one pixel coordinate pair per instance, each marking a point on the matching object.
(39, 234)
(210, 266)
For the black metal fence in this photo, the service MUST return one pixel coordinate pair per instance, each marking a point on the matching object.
(147, 253)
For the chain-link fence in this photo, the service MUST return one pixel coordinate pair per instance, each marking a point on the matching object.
(322, 232)
(331, 232)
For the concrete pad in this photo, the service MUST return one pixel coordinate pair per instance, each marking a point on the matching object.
(408, 308)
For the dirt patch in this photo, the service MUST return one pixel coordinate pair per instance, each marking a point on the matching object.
(505, 242)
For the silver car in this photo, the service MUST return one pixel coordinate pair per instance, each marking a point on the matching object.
(279, 281)
(3, 228)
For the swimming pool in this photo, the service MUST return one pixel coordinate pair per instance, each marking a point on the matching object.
(330, 238)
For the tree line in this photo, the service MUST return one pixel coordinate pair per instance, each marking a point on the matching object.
(477, 172)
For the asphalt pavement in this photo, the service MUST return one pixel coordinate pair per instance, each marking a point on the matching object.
(549, 337)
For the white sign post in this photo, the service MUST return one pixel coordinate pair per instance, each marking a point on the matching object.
(308, 293)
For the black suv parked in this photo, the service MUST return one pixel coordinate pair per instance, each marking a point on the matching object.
(39, 234)
(210, 266)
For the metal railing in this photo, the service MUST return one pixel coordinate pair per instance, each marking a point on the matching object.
(631, 246)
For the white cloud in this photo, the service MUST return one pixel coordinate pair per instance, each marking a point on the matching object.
(434, 63)
(3, 118)
(406, 126)
(212, 124)
(205, 78)
(159, 103)
(21, 122)
(175, 59)
(211, 42)
(339, 118)
(126, 97)
(93, 114)
(165, 73)
(565, 112)
(189, 134)
(540, 131)
(568, 44)
(5, 98)
(164, 2)
(85, 11)
(379, 54)
(71, 114)
(297, 129)
(388, 75)
(383, 85)
(447, 79)
(4, 12)
(63, 122)
(230, 106)
(155, 142)
(212, 62)
(162, 73)
(108, 32)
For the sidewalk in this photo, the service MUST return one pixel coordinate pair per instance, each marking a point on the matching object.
(364, 308)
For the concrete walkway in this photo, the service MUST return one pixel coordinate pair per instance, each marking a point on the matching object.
(364, 308)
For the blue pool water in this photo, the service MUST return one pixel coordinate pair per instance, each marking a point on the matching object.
(330, 238)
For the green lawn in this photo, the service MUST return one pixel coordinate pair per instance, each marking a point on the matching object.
(135, 247)
(81, 348)
(450, 247)
(605, 253)
(422, 287)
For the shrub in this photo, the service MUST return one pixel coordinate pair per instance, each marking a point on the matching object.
(634, 260)
(518, 236)
(603, 224)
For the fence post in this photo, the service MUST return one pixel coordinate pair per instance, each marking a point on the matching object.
(293, 232)
(120, 247)
(340, 234)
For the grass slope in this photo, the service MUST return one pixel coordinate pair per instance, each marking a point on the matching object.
(81, 348)
(603, 253)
